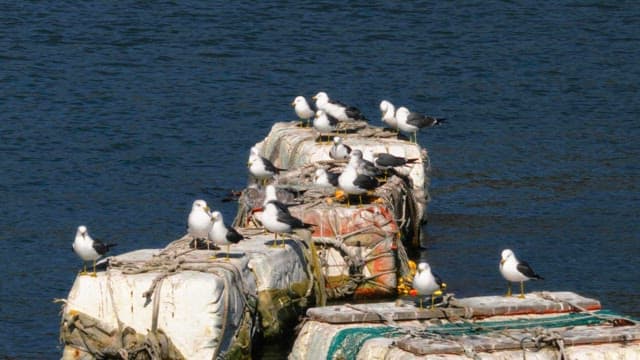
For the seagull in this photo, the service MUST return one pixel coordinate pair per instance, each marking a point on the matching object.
(339, 151)
(389, 114)
(354, 183)
(199, 222)
(386, 161)
(276, 217)
(427, 283)
(325, 178)
(260, 167)
(411, 122)
(337, 109)
(303, 109)
(324, 123)
(220, 234)
(364, 166)
(514, 270)
(88, 249)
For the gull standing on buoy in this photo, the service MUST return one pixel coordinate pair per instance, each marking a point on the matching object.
(88, 249)
(303, 109)
(199, 222)
(411, 122)
(324, 123)
(354, 183)
(389, 114)
(337, 109)
(514, 270)
(276, 217)
(220, 234)
(427, 283)
(339, 151)
(260, 167)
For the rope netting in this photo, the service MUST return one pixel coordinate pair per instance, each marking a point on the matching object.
(346, 343)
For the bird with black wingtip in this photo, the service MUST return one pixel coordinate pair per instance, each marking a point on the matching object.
(220, 234)
(260, 167)
(411, 122)
(89, 249)
(514, 270)
(276, 217)
(352, 181)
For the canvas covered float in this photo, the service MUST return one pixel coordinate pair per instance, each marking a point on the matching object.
(544, 325)
(185, 303)
(362, 248)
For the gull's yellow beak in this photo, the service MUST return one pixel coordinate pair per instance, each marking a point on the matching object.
(293, 104)
(206, 208)
(314, 97)
(248, 163)
(443, 286)
(502, 261)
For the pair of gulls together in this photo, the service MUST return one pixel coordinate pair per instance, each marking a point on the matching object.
(276, 218)
(407, 121)
(205, 225)
(327, 113)
(428, 283)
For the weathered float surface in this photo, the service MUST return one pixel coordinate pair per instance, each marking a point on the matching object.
(290, 146)
(184, 303)
(542, 326)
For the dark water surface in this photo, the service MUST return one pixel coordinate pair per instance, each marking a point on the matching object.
(117, 115)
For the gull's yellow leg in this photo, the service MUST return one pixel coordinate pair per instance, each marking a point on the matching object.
(508, 289)
(521, 290)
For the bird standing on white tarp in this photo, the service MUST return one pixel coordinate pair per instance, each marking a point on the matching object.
(410, 122)
(303, 109)
(514, 270)
(389, 114)
(427, 283)
(89, 249)
(324, 123)
(199, 222)
(220, 234)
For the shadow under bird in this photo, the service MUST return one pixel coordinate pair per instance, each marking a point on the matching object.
(88, 249)
(514, 270)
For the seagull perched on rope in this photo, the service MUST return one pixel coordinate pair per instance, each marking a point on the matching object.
(261, 168)
(276, 217)
(427, 283)
(303, 109)
(220, 234)
(389, 114)
(514, 270)
(411, 122)
(88, 249)
(337, 109)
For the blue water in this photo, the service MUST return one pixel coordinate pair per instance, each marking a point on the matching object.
(117, 115)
